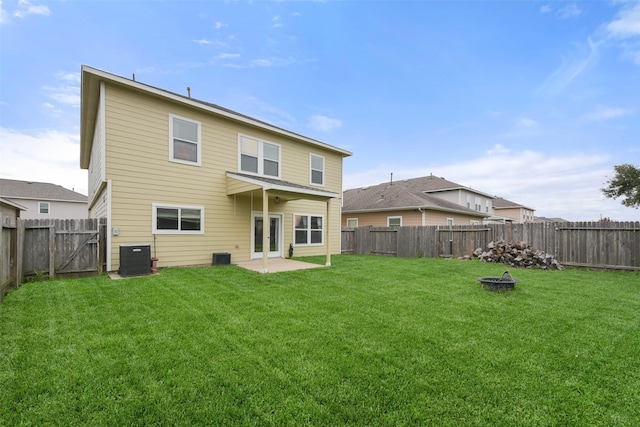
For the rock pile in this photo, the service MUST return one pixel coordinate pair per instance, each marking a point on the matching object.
(518, 254)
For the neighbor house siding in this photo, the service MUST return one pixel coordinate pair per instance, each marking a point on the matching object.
(57, 209)
(379, 219)
(409, 218)
(137, 163)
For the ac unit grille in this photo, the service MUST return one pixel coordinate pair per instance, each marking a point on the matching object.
(135, 260)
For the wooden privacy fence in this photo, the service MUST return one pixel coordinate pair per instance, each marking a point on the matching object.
(52, 248)
(588, 244)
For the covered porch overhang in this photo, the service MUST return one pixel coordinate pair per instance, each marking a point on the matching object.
(244, 184)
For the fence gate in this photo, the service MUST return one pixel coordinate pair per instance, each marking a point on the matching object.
(61, 247)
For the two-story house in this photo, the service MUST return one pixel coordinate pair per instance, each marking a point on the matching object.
(427, 200)
(191, 178)
(508, 211)
(44, 200)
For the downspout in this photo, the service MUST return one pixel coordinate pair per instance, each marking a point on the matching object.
(424, 216)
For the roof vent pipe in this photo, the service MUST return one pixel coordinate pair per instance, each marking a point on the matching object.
(391, 181)
(134, 77)
(188, 91)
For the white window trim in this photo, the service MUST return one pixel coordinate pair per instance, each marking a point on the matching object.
(198, 143)
(308, 230)
(352, 219)
(311, 156)
(154, 215)
(261, 143)
(48, 212)
(394, 217)
(450, 222)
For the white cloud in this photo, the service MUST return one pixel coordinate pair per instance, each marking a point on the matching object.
(607, 113)
(202, 42)
(324, 123)
(566, 186)
(227, 56)
(526, 122)
(272, 62)
(276, 22)
(570, 11)
(498, 149)
(627, 23)
(545, 9)
(46, 156)
(3, 14)
(571, 68)
(67, 91)
(218, 25)
(26, 8)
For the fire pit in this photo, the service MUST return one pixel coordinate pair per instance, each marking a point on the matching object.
(499, 284)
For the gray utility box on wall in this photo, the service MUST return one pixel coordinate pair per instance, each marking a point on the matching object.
(222, 258)
(135, 260)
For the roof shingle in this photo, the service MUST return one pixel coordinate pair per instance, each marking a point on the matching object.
(38, 190)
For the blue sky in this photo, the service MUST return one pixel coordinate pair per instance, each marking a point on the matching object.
(533, 101)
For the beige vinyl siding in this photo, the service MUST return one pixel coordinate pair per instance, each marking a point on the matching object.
(519, 215)
(308, 207)
(379, 219)
(99, 208)
(137, 162)
(409, 218)
(440, 218)
(297, 169)
(96, 165)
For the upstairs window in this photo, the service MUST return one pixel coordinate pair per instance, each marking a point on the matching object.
(169, 219)
(184, 142)
(308, 229)
(43, 208)
(259, 157)
(316, 164)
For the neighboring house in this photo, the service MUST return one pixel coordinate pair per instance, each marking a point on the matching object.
(508, 211)
(419, 201)
(191, 178)
(44, 200)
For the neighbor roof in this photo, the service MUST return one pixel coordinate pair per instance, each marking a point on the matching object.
(500, 203)
(398, 196)
(15, 189)
(435, 184)
(90, 94)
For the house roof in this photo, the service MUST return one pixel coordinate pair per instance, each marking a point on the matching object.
(435, 184)
(281, 186)
(15, 205)
(15, 189)
(401, 195)
(90, 90)
(500, 203)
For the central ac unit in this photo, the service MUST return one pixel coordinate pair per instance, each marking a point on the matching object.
(135, 260)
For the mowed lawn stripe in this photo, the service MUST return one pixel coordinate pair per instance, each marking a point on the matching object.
(369, 341)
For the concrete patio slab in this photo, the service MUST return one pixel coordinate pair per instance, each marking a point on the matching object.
(277, 265)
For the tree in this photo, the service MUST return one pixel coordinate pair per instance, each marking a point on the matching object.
(625, 183)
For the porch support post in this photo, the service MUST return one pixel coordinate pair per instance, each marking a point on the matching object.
(327, 233)
(265, 231)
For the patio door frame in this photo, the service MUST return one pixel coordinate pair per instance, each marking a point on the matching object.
(280, 237)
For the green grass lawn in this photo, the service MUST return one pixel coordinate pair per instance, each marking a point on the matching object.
(369, 341)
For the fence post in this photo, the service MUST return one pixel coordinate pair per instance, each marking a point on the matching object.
(52, 251)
